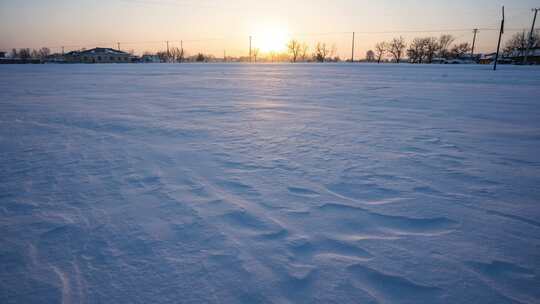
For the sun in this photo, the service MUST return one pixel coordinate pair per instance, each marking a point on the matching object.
(271, 39)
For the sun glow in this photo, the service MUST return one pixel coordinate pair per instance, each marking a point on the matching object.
(271, 39)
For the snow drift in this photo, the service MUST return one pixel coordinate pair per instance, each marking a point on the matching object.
(269, 184)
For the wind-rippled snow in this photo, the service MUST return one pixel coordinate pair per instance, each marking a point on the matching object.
(269, 184)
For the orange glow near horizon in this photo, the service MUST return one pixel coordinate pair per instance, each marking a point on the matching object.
(216, 27)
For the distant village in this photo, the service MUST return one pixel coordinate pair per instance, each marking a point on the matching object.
(95, 55)
(519, 49)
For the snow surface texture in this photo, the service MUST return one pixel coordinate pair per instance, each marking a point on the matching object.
(269, 184)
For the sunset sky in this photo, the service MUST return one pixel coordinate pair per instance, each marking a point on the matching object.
(215, 26)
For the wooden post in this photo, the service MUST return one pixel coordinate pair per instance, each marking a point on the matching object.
(352, 54)
(249, 48)
(499, 44)
(475, 31)
(529, 44)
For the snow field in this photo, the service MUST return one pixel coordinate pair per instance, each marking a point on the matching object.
(269, 184)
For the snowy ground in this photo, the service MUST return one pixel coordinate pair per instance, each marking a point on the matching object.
(269, 184)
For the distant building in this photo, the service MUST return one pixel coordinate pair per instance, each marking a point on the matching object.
(438, 60)
(459, 61)
(465, 59)
(98, 55)
(532, 58)
(487, 58)
(490, 58)
(150, 59)
(55, 58)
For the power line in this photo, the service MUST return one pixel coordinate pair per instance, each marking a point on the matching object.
(436, 31)
(118, 43)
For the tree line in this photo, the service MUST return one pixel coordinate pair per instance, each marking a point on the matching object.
(178, 55)
(419, 50)
(322, 52)
(519, 43)
(427, 49)
(28, 54)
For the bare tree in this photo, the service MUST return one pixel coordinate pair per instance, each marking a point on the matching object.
(519, 42)
(397, 48)
(14, 53)
(380, 50)
(175, 55)
(34, 54)
(172, 56)
(431, 48)
(444, 44)
(535, 39)
(423, 50)
(416, 51)
(25, 54)
(304, 49)
(370, 56)
(200, 57)
(163, 56)
(322, 51)
(459, 50)
(182, 55)
(44, 52)
(294, 48)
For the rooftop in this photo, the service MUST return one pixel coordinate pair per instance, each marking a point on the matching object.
(100, 51)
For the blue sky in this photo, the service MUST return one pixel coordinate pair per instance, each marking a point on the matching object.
(220, 25)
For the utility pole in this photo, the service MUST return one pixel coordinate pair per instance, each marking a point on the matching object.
(499, 44)
(118, 46)
(249, 48)
(352, 54)
(475, 31)
(535, 10)
(62, 51)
